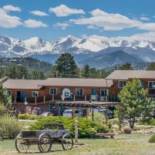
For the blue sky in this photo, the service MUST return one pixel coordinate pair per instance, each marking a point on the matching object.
(52, 19)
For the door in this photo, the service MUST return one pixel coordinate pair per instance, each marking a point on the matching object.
(21, 96)
(94, 94)
(66, 94)
(103, 94)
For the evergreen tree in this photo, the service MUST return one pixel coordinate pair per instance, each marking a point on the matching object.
(11, 72)
(21, 72)
(5, 98)
(66, 66)
(126, 66)
(37, 75)
(86, 71)
(151, 66)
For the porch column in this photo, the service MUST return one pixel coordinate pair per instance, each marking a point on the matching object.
(44, 99)
(107, 95)
(15, 98)
(92, 114)
(52, 97)
(92, 110)
(35, 99)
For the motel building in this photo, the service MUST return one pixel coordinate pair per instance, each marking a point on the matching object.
(55, 95)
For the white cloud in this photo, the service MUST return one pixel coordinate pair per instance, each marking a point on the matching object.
(39, 13)
(112, 21)
(147, 26)
(144, 18)
(107, 21)
(148, 36)
(63, 10)
(8, 21)
(11, 8)
(63, 26)
(31, 23)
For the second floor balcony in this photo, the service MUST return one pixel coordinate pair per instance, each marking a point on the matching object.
(54, 98)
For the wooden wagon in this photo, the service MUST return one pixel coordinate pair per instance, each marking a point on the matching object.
(44, 139)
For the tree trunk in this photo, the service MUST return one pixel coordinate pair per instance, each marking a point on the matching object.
(131, 122)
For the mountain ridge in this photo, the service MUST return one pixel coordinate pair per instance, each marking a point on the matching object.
(86, 49)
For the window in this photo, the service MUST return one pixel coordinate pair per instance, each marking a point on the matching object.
(151, 84)
(103, 92)
(121, 84)
(67, 94)
(93, 91)
(35, 93)
(79, 92)
(53, 91)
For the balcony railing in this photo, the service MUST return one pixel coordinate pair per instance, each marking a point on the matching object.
(48, 99)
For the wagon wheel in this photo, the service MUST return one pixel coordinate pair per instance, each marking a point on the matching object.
(44, 144)
(67, 142)
(21, 145)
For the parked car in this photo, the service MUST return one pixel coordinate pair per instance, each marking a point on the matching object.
(46, 114)
(108, 113)
(69, 113)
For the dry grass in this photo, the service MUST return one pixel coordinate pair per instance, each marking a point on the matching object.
(135, 144)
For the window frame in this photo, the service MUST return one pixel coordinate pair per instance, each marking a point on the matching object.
(149, 84)
(51, 91)
(77, 91)
(36, 93)
(118, 84)
(106, 90)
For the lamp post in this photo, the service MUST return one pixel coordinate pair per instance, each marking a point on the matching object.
(25, 103)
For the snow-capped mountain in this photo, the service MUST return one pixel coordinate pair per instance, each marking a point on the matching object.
(10, 47)
(85, 49)
(15, 47)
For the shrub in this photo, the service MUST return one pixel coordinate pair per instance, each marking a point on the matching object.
(2, 109)
(9, 127)
(127, 130)
(151, 122)
(152, 139)
(148, 122)
(87, 128)
(28, 116)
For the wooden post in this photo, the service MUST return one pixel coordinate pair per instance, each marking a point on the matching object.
(52, 97)
(76, 130)
(15, 99)
(35, 99)
(44, 99)
(73, 112)
(92, 114)
(85, 98)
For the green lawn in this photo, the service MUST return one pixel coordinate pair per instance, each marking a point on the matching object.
(135, 144)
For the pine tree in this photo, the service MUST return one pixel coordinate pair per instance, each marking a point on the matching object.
(66, 66)
(86, 71)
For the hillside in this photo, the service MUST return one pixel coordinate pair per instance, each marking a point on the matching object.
(29, 63)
